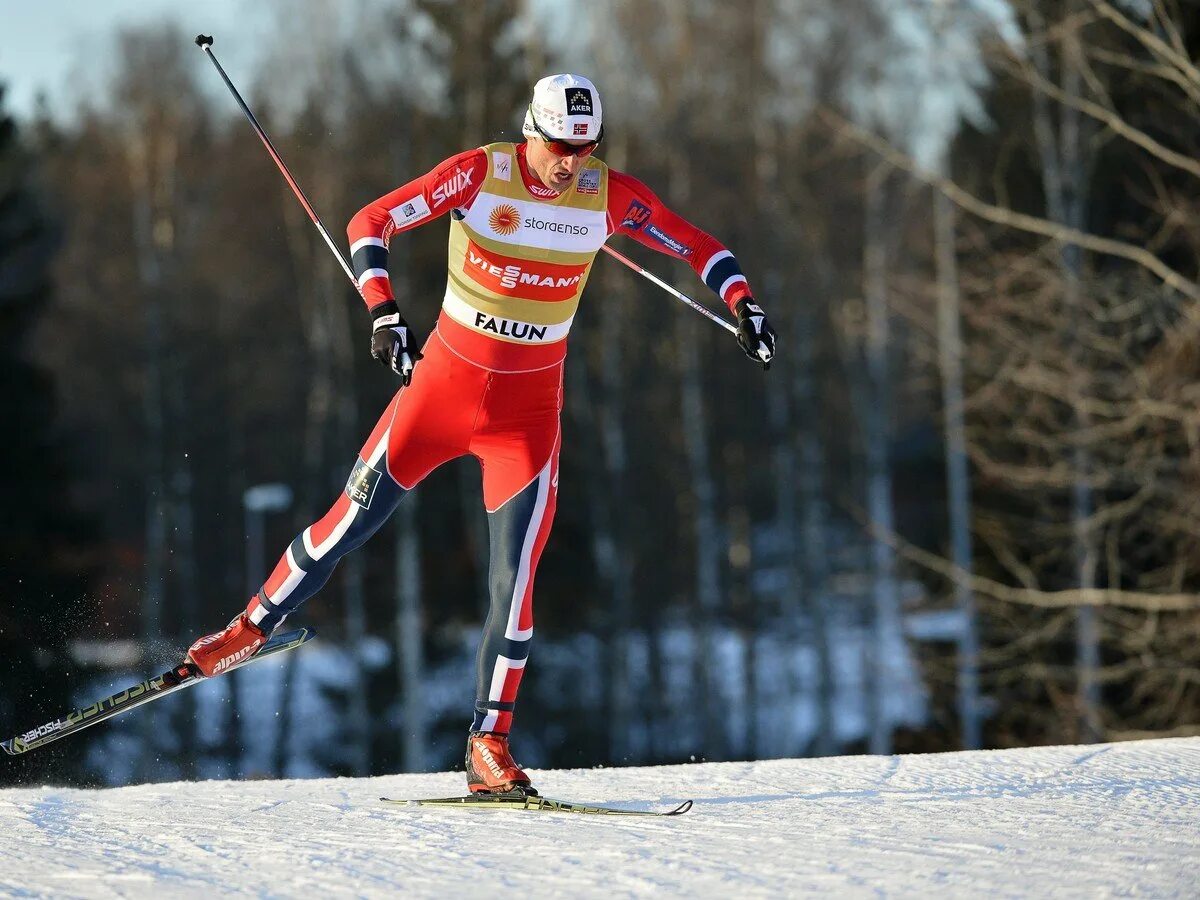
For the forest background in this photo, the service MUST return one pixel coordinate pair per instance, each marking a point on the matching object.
(958, 511)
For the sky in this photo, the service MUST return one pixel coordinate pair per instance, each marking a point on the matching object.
(58, 47)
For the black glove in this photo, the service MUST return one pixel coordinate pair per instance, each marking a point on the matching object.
(755, 335)
(393, 342)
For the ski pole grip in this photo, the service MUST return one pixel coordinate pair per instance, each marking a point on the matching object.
(203, 40)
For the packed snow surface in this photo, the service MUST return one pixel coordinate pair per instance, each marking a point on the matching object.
(1059, 821)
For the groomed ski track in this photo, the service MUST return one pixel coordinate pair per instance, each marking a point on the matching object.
(1060, 821)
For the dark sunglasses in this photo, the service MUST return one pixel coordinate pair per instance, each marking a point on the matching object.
(562, 148)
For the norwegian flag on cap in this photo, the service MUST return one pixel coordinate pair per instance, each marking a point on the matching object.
(565, 106)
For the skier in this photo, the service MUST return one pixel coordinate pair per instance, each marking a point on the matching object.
(527, 222)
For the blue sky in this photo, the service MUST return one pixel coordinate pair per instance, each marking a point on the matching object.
(62, 48)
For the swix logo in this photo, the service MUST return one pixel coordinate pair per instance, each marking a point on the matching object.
(490, 761)
(446, 189)
(529, 280)
(235, 658)
(543, 193)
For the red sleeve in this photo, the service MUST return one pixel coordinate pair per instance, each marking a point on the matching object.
(633, 209)
(451, 184)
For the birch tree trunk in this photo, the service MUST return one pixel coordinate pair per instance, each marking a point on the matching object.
(813, 510)
(958, 487)
(151, 166)
(785, 428)
(876, 432)
(1063, 165)
(708, 698)
(319, 402)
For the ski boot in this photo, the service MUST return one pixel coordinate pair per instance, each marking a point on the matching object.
(490, 766)
(216, 653)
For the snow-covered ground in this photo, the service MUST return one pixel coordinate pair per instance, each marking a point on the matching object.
(1060, 821)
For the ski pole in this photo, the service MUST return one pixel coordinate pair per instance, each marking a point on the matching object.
(704, 311)
(204, 42)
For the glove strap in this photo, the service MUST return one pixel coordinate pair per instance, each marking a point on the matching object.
(387, 321)
(385, 314)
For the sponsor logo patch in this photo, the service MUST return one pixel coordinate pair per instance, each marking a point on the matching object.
(489, 761)
(635, 216)
(407, 213)
(588, 181)
(360, 486)
(233, 659)
(579, 102)
(542, 192)
(557, 227)
(527, 279)
(501, 165)
(452, 185)
(667, 241)
(504, 219)
(48, 728)
(510, 328)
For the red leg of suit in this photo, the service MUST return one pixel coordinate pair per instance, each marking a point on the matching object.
(510, 422)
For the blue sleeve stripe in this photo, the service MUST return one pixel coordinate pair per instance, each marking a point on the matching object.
(368, 257)
(721, 271)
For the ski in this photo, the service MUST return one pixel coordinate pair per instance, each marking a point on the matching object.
(519, 800)
(182, 676)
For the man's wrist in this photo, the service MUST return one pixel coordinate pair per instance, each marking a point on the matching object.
(385, 315)
(741, 309)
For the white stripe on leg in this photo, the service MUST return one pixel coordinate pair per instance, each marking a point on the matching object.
(513, 631)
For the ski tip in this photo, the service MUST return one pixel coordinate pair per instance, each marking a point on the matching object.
(405, 802)
(681, 808)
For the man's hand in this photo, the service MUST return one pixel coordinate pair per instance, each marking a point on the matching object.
(754, 333)
(393, 342)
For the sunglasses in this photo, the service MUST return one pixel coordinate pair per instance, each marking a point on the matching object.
(562, 148)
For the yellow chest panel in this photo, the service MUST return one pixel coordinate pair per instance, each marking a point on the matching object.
(517, 258)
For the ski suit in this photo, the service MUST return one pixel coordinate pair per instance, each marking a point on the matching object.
(491, 380)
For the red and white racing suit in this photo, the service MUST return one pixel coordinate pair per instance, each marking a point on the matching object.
(490, 383)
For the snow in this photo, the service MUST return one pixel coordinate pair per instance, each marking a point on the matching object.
(784, 699)
(1059, 821)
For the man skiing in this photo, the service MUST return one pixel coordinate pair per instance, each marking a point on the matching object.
(527, 222)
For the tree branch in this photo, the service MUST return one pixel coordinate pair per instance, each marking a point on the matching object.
(1010, 218)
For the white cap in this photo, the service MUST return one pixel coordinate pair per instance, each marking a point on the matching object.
(567, 107)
